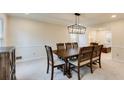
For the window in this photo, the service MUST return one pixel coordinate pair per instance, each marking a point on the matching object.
(108, 38)
(1, 32)
(80, 38)
(73, 37)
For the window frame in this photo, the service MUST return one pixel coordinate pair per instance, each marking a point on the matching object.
(76, 38)
(2, 32)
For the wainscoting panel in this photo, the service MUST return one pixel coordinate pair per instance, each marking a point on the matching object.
(118, 53)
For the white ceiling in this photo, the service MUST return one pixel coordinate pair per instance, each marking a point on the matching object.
(87, 19)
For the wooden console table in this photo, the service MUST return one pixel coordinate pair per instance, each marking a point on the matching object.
(106, 49)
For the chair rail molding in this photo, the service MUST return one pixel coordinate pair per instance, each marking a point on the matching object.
(117, 46)
(30, 52)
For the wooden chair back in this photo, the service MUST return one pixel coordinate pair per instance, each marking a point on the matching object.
(97, 51)
(93, 43)
(85, 54)
(60, 46)
(68, 45)
(49, 54)
(75, 45)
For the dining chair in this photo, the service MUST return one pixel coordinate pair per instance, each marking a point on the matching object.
(75, 45)
(54, 62)
(93, 43)
(97, 54)
(84, 58)
(60, 46)
(68, 45)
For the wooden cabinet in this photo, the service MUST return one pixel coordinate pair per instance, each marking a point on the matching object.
(106, 49)
(7, 63)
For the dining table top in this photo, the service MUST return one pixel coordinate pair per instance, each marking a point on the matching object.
(66, 53)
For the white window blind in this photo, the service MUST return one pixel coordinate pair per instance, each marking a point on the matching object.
(73, 37)
(80, 38)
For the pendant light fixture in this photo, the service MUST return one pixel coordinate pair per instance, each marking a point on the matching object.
(76, 28)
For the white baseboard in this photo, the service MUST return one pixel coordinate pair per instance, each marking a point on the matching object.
(31, 59)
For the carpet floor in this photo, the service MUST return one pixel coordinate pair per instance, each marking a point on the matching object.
(36, 70)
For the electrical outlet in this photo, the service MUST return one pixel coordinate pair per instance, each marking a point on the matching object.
(19, 57)
(117, 54)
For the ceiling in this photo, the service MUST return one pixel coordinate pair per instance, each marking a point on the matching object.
(87, 19)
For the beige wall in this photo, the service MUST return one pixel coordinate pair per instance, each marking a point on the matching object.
(100, 37)
(117, 30)
(30, 36)
(92, 35)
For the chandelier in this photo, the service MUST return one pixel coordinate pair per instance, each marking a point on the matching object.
(76, 28)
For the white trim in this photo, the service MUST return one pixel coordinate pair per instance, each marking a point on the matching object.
(28, 46)
(31, 59)
(117, 46)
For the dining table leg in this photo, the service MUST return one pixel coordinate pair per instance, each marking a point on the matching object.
(67, 69)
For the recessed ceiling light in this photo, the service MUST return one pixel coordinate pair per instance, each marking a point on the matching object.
(114, 16)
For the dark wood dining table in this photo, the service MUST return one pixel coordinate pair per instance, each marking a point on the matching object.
(65, 55)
